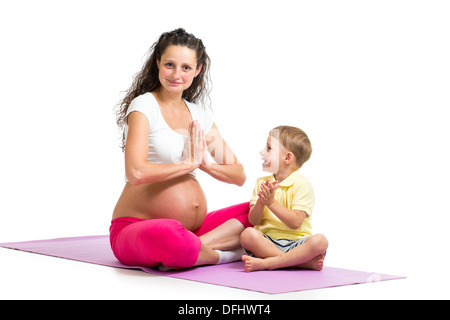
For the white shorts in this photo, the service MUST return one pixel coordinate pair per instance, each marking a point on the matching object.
(287, 245)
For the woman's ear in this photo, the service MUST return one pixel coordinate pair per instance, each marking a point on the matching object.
(199, 68)
(157, 64)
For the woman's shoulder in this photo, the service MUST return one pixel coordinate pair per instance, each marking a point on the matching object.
(144, 100)
(145, 103)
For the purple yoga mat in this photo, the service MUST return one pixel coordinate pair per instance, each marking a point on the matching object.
(96, 249)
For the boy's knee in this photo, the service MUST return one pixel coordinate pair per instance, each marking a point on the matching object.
(320, 242)
(248, 236)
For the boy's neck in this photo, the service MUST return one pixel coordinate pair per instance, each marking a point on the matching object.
(282, 174)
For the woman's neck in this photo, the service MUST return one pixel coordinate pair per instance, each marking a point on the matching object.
(168, 99)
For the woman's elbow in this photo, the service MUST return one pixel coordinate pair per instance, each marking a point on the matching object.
(242, 181)
(134, 176)
(241, 177)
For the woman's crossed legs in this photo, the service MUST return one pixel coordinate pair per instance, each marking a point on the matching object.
(150, 243)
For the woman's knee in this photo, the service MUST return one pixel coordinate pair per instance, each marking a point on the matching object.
(151, 242)
(178, 246)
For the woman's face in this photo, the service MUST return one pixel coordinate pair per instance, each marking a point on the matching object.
(177, 68)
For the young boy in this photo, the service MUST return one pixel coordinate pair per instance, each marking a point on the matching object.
(281, 207)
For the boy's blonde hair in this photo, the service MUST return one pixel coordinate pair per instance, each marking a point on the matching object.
(294, 140)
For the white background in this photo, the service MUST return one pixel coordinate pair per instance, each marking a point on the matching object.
(367, 80)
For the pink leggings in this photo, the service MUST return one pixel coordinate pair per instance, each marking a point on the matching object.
(149, 243)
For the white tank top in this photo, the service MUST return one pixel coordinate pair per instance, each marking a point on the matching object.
(165, 145)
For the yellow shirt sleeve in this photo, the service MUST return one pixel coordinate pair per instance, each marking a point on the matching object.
(303, 197)
(254, 196)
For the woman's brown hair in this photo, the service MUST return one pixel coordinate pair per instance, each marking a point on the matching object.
(147, 79)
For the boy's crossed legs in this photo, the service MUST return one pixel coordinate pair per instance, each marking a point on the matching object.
(309, 255)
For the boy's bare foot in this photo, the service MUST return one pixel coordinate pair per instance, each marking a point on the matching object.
(314, 264)
(253, 264)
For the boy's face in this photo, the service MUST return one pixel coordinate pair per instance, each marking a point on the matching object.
(272, 155)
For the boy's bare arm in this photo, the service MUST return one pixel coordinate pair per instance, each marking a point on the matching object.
(292, 218)
(256, 212)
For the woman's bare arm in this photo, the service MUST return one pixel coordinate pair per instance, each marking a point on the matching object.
(137, 169)
(227, 168)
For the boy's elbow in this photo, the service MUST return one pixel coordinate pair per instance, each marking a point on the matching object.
(295, 226)
(253, 222)
(298, 221)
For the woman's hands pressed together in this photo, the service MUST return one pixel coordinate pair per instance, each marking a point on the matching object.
(195, 150)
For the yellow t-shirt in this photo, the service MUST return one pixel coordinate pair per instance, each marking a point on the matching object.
(295, 193)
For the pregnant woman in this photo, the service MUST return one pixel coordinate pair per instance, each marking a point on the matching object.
(161, 216)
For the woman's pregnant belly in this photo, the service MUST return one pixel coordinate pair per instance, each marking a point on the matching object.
(181, 199)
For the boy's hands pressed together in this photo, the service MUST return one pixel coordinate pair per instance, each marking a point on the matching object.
(267, 193)
(292, 218)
